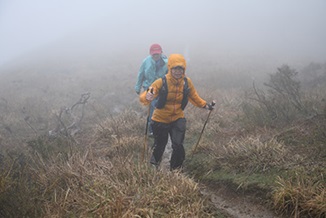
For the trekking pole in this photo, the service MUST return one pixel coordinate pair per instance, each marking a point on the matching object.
(193, 151)
(145, 136)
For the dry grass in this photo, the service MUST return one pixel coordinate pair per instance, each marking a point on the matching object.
(300, 196)
(250, 155)
(122, 188)
(104, 178)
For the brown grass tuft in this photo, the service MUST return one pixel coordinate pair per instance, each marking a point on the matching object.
(300, 196)
(251, 155)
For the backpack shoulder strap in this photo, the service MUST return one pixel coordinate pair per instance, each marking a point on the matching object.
(164, 82)
(162, 94)
(185, 87)
(185, 93)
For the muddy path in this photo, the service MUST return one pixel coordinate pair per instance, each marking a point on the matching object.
(231, 204)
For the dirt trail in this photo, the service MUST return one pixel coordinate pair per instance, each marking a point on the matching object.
(237, 206)
(231, 204)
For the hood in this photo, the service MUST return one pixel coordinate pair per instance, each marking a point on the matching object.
(176, 60)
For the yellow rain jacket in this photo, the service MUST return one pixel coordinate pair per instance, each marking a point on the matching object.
(172, 109)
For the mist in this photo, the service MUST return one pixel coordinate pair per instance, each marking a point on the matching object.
(244, 33)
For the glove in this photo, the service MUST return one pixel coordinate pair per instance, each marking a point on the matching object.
(209, 107)
(138, 92)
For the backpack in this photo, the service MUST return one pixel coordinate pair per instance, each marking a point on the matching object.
(162, 96)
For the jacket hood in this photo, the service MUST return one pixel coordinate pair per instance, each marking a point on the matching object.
(176, 60)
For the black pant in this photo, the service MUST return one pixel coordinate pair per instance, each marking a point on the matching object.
(161, 131)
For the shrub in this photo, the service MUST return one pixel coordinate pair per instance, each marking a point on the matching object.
(281, 104)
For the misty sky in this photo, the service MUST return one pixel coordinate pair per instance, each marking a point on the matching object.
(291, 27)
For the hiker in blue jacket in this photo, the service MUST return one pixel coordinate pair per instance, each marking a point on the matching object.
(153, 67)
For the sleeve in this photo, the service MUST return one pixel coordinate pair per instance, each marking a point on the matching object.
(140, 77)
(193, 97)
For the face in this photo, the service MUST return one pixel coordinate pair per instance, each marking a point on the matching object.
(177, 72)
(156, 57)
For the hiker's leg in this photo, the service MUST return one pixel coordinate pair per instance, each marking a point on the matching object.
(160, 131)
(177, 132)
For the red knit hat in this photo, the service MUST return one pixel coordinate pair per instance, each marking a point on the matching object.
(155, 49)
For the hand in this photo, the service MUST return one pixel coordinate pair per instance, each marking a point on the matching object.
(150, 94)
(210, 106)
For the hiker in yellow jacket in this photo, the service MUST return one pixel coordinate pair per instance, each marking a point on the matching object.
(173, 92)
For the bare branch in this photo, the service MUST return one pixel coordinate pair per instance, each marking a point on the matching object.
(74, 126)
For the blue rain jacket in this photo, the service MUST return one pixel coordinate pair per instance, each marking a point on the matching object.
(147, 73)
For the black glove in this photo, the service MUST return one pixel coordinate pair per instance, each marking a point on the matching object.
(209, 106)
(138, 92)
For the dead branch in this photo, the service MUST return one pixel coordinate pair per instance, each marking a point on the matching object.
(71, 128)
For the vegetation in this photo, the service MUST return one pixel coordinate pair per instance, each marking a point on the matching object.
(104, 178)
(267, 142)
(272, 144)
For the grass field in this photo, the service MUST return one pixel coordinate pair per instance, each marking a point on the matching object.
(267, 142)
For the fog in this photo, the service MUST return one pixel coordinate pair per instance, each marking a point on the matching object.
(279, 31)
